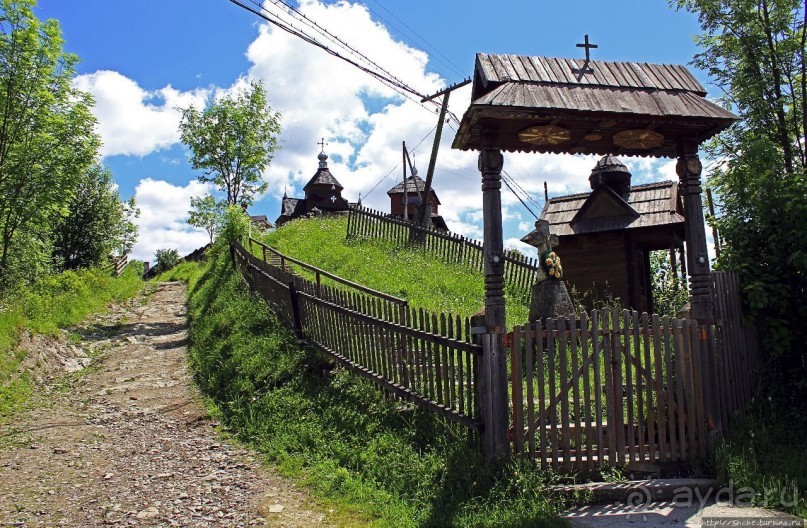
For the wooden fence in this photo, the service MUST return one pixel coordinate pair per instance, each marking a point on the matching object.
(428, 359)
(115, 265)
(520, 272)
(607, 388)
(284, 263)
(736, 350)
(614, 387)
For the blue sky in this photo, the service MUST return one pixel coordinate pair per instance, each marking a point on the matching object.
(142, 60)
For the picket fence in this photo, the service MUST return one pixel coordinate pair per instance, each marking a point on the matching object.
(426, 358)
(606, 388)
(520, 272)
(615, 387)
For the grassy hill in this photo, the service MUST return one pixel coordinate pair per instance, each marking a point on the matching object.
(412, 274)
(376, 461)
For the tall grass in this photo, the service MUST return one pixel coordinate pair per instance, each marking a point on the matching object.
(51, 303)
(765, 454)
(386, 463)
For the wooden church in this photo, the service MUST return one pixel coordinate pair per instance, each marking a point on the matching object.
(406, 197)
(323, 195)
(605, 236)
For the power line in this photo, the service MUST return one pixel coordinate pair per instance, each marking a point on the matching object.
(398, 165)
(396, 84)
(523, 191)
(447, 61)
(507, 183)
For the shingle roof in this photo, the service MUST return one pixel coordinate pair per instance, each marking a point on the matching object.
(551, 70)
(603, 110)
(413, 184)
(656, 204)
(292, 207)
(323, 177)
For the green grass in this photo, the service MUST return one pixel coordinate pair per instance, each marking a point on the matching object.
(766, 453)
(378, 462)
(181, 272)
(412, 274)
(52, 303)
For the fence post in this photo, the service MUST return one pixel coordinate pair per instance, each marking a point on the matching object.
(319, 285)
(295, 311)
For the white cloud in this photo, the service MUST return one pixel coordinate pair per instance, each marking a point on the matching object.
(131, 120)
(526, 249)
(163, 210)
(363, 122)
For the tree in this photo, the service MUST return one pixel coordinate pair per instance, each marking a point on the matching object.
(754, 49)
(232, 141)
(166, 258)
(669, 291)
(98, 223)
(47, 137)
(206, 214)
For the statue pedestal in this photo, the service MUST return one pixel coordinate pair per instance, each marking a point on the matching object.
(550, 298)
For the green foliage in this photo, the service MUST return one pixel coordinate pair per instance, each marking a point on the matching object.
(236, 226)
(97, 223)
(413, 274)
(47, 137)
(232, 141)
(166, 258)
(755, 51)
(388, 464)
(766, 454)
(53, 302)
(669, 290)
(207, 214)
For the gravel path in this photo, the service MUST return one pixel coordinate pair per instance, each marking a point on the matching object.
(129, 443)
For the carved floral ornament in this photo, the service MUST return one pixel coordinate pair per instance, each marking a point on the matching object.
(545, 135)
(638, 139)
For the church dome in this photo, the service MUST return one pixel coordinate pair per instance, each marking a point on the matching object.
(613, 173)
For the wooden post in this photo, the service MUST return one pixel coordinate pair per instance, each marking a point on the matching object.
(295, 311)
(493, 376)
(700, 283)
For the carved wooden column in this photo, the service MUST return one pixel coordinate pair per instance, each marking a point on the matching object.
(700, 282)
(493, 375)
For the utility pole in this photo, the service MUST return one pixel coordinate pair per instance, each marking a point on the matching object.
(424, 201)
(406, 194)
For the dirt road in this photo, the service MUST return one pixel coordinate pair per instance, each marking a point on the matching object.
(129, 442)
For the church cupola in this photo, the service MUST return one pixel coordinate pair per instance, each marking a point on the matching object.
(613, 173)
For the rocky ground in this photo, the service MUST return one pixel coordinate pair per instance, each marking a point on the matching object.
(124, 440)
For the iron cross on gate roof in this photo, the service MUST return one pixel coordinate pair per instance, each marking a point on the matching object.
(585, 68)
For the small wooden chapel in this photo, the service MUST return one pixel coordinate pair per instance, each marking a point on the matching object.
(605, 236)
(406, 196)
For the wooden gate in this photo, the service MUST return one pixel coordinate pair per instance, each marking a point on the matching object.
(610, 388)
